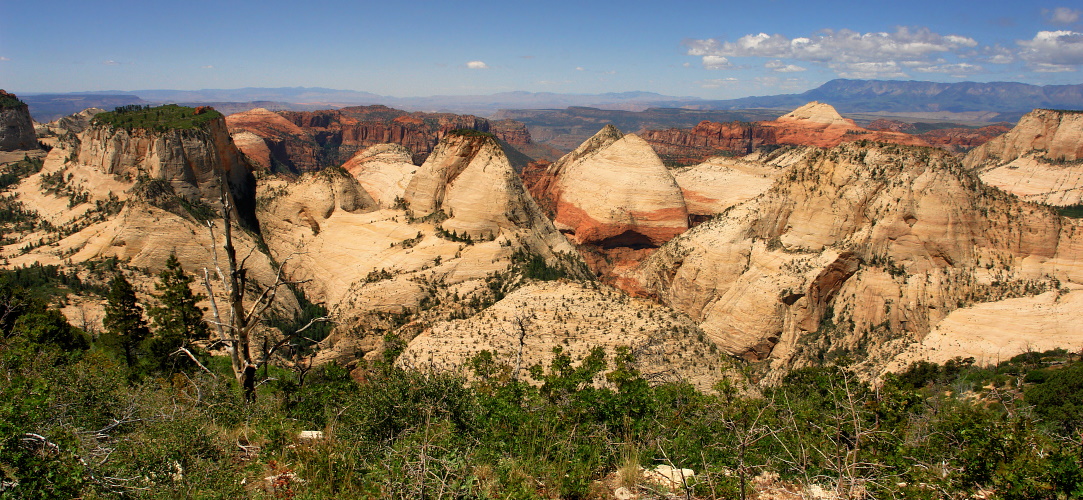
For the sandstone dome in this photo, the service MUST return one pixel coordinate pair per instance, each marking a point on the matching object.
(618, 193)
(384, 170)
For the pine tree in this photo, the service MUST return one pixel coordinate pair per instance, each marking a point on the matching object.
(124, 324)
(178, 320)
(178, 315)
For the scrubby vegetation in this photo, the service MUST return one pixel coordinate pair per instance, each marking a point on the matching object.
(10, 101)
(469, 132)
(159, 119)
(100, 418)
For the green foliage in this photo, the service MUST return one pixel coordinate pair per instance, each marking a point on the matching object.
(49, 282)
(1073, 211)
(73, 424)
(160, 193)
(178, 320)
(124, 326)
(469, 132)
(10, 101)
(159, 119)
(1057, 397)
(17, 171)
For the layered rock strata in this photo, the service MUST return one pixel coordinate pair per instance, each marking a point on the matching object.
(614, 191)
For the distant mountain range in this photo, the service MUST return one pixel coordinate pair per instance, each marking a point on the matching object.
(988, 102)
(1009, 100)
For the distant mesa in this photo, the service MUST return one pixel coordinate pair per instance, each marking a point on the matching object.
(818, 113)
(188, 147)
(813, 124)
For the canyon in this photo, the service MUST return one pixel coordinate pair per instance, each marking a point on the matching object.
(819, 242)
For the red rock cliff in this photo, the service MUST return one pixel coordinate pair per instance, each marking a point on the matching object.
(312, 140)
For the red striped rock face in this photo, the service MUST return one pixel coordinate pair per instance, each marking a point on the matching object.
(618, 195)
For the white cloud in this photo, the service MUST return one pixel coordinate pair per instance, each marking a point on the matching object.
(209, 66)
(849, 53)
(580, 68)
(997, 55)
(716, 62)
(781, 67)
(1052, 51)
(110, 62)
(1061, 15)
(955, 69)
(843, 46)
(477, 65)
(2, 58)
(869, 70)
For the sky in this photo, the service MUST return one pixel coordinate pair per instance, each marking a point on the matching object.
(709, 49)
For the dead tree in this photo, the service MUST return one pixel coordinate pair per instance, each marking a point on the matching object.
(236, 327)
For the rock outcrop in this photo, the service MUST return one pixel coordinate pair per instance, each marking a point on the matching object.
(858, 251)
(75, 124)
(383, 170)
(469, 179)
(709, 138)
(16, 126)
(109, 194)
(719, 183)
(818, 124)
(273, 142)
(193, 160)
(529, 323)
(1040, 159)
(959, 140)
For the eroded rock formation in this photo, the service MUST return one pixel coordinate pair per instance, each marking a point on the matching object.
(858, 251)
(304, 141)
(617, 193)
(383, 170)
(16, 126)
(193, 160)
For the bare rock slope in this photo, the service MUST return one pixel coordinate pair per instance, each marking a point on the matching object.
(465, 220)
(1040, 159)
(383, 170)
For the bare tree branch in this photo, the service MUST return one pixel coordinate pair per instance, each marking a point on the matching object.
(192, 357)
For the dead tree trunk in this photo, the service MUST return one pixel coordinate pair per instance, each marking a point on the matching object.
(235, 331)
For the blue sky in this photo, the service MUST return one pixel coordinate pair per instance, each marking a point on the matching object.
(718, 49)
